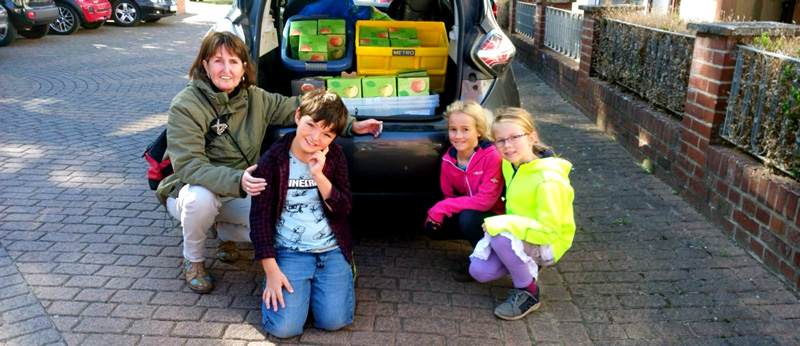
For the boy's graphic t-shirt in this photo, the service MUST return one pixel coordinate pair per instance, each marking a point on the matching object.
(302, 225)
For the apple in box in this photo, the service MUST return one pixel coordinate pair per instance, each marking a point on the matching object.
(374, 42)
(297, 29)
(331, 26)
(346, 87)
(336, 46)
(373, 32)
(379, 86)
(413, 86)
(399, 32)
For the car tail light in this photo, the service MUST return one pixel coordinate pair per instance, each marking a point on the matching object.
(31, 15)
(494, 52)
(494, 10)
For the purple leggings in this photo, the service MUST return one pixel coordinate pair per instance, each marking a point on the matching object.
(501, 262)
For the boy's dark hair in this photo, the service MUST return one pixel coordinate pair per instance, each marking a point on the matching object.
(326, 106)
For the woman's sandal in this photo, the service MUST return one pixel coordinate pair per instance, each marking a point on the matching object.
(197, 278)
(227, 252)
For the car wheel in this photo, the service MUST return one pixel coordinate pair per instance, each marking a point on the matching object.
(6, 39)
(93, 25)
(126, 13)
(67, 22)
(153, 20)
(37, 31)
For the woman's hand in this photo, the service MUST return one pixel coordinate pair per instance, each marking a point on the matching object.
(375, 127)
(273, 294)
(316, 162)
(250, 184)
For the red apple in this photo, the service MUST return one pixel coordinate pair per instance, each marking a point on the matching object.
(307, 87)
(392, 29)
(364, 41)
(295, 32)
(336, 41)
(383, 35)
(317, 57)
(418, 85)
(305, 48)
(325, 31)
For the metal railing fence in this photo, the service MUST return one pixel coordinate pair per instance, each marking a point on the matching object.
(764, 108)
(650, 62)
(525, 18)
(562, 31)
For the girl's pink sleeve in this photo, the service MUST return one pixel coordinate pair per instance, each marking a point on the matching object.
(488, 192)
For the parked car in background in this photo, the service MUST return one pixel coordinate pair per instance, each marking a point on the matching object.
(3, 22)
(74, 14)
(133, 12)
(399, 169)
(29, 18)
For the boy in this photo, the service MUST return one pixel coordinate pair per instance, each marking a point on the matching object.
(298, 225)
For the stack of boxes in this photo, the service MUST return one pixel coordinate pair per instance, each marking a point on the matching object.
(403, 37)
(318, 40)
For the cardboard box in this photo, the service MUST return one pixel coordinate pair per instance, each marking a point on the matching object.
(373, 32)
(374, 42)
(413, 86)
(313, 56)
(347, 88)
(397, 32)
(336, 46)
(379, 86)
(331, 27)
(313, 43)
(404, 42)
(303, 85)
(297, 29)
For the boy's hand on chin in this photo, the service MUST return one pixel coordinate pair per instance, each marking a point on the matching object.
(317, 161)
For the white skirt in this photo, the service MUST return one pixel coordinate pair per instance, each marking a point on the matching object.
(532, 255)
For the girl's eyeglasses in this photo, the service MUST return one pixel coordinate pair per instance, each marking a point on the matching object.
(511, 140)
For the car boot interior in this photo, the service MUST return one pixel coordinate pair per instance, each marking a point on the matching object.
(270, 67)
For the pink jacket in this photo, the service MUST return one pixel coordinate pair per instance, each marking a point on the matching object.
(479, 188)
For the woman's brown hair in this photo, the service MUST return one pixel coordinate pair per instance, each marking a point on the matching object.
(234, 45)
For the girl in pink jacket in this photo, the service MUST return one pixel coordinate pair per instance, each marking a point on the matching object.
(471, 178)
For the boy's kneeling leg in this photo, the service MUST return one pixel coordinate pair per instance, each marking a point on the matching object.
(332, 293)
(287, 322)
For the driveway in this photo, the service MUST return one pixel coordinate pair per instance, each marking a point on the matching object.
(89, 258)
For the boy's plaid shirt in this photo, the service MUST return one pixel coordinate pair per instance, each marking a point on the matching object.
(266, 207)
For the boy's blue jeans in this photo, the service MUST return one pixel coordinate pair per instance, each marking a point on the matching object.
(323, 280)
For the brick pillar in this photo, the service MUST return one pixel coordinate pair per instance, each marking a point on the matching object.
(538, 24)
(710, 78)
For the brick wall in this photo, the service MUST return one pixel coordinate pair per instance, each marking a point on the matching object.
(756, 208)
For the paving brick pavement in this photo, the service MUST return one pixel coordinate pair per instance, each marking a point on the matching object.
(89, 258)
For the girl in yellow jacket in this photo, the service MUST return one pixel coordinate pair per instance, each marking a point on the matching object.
(539, 225)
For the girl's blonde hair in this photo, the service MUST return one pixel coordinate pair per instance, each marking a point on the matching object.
(473, 110)
(523, 119)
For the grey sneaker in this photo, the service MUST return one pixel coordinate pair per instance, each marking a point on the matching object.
(520, 302)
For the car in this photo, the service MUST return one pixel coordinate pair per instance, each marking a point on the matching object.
(133, 12)
(75, 14)
(3, 22)
(28, 18)
(401, 167)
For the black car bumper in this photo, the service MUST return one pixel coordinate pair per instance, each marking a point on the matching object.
(158, 10)
(41, 16)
